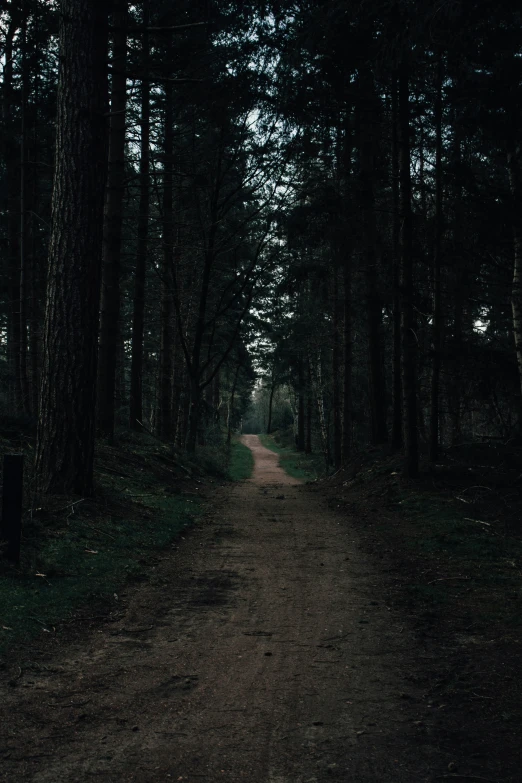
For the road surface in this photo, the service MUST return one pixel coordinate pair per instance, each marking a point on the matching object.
(261, 651)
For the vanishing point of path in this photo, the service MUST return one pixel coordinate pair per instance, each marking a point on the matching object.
(261, 651)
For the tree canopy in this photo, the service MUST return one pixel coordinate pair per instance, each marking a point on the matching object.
(319, 201)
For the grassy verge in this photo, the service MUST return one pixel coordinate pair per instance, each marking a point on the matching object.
(306, 467)
(241, 462)
(458, 557)
(468, 563)
(78, 554)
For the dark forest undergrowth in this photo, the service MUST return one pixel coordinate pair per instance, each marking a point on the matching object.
(452, 545)
(78, 553)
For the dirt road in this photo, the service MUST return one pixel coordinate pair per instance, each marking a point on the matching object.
(262, 651)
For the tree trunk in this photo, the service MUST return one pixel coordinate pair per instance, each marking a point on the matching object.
(12, 208)
(309, 406)
(437, 253)
(166, 344)
(336, 373)
(347, 302)
(396, 433)
(216, 397)
(138, 313)
(460, 277)
(112, 228)
(199, 332)
(231, 404)
(367, 135)
(319, 399)
(270, 404)
(300, 440)
(25, 270)
(516, 289)
(408, 335)
(194, 413)
(65, 444)
(35, 272)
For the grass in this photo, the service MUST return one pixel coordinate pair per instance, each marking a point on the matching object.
(241, 462)
(459, 556)
(77, 563)
(471, 564)
(77, 557)
(306, 467)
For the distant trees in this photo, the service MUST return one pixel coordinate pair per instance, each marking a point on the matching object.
(403, 173)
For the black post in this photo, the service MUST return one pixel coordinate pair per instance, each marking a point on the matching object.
(11, 525)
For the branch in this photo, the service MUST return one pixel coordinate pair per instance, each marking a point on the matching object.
(175, 27)
(172, 28)
(231, 342)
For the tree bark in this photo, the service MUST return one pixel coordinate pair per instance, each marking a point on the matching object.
(138, 313)
(12, 208)
(460, 278)
(66, 427)
(166, 344)
(300, 440)
(336, 374)
(199, 332)
(112, 228)
(309, 407)
(368, 119)
(270, 403)
(231, 404)
(408, 335)
(516, 289)
(35, 272)
(396, 433)
(347, 302)
(437, 254)
(319, 399)
(25, 261)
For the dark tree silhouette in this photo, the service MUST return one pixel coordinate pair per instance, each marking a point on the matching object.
(65, 448)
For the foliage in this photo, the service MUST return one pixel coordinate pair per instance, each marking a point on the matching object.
(241, 461)
(76, 558)
(284, 172)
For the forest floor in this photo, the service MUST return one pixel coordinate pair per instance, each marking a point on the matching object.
(294, 635)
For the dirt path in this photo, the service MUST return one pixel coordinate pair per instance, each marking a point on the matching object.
(262, 651)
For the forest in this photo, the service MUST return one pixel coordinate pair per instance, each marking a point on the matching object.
(261, 359)
(319, 203)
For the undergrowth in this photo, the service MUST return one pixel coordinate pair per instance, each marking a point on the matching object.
(77, 553)
(81, 559)
(471, 560)
(241, 462)
(455, 535)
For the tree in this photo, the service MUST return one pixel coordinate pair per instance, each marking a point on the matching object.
(408, 335)
(65, 447)
(112, 226)
(138, 309)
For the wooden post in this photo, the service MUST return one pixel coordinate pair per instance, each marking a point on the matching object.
(11, 526)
